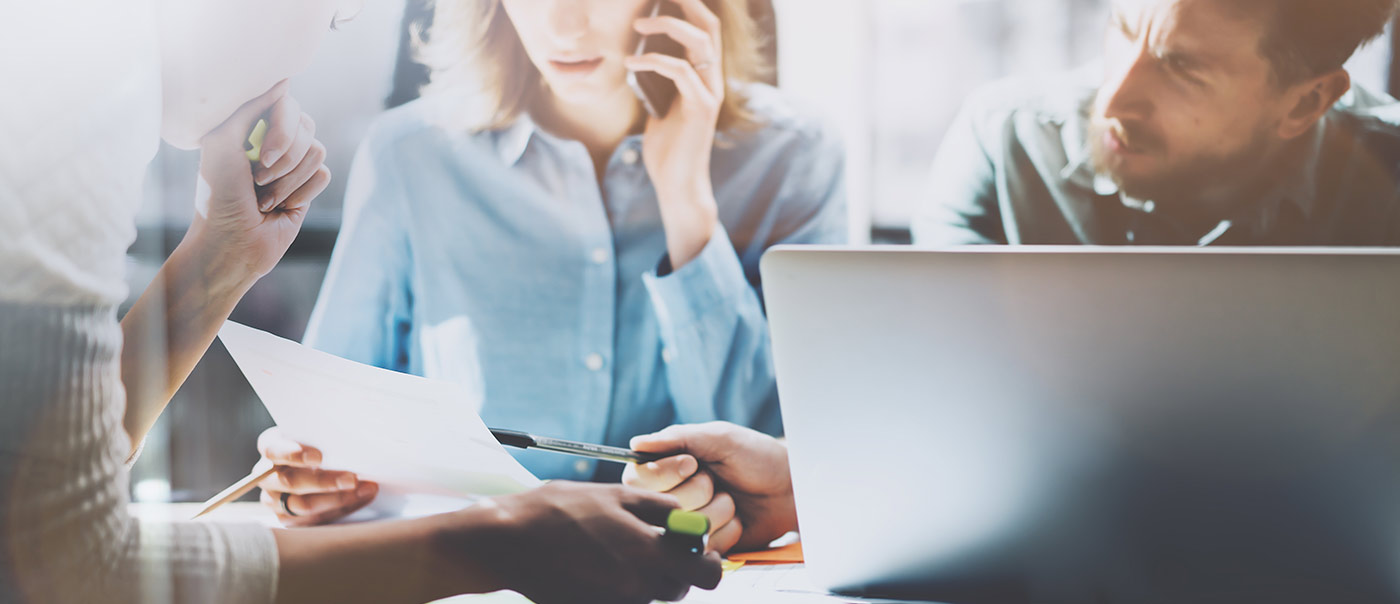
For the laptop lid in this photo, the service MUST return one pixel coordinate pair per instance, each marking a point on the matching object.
(1083, 425)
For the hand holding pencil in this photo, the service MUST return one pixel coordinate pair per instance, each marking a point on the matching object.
(261, 470)
(301, 491)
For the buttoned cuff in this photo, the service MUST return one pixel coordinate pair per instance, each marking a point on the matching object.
(713, 281)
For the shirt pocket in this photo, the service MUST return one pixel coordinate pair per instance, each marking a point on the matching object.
(451, 353)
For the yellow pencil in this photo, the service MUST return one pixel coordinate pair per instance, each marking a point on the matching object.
(263, 469)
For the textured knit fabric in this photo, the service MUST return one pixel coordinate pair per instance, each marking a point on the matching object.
(79, 121)
(79, 118)
(67, 535)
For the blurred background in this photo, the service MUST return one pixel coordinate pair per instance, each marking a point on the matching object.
(888, 74)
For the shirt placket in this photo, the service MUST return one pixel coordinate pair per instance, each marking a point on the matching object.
(624, 184)
(596, 346)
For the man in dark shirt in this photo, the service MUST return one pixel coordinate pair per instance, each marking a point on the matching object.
(1211, 123)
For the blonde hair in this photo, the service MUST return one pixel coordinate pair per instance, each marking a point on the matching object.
(475, 55)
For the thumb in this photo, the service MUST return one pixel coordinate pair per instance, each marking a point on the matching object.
(706, 442)
(277, 448)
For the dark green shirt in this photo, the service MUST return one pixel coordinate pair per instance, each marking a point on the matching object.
(1015, 169)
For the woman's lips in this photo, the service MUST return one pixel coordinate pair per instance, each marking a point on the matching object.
(576, 66)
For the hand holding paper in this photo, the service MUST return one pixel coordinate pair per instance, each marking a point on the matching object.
(404, 432)
(302, 493)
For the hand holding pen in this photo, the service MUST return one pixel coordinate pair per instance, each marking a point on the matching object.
(250, 211)
(736, 476)
(676, 148)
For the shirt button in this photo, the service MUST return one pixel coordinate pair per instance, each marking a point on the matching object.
(630, 156)
(594, 362)
(599, 256)
(668, 355)
(581, 466)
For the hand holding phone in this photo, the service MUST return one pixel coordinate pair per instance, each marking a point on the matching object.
(679, 76)
(656, 91)
(681, 37)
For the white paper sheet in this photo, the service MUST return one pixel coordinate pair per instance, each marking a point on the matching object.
(405, 432)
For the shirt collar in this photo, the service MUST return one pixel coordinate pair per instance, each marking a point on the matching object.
(512, 141)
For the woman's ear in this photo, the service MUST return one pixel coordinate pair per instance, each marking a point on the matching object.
(1310, 100)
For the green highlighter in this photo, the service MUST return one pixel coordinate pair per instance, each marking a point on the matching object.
(255, 141)
(686, 531)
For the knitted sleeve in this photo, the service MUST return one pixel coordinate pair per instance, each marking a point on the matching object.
(65, 531)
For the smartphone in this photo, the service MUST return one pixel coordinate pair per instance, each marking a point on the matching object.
(657, 92)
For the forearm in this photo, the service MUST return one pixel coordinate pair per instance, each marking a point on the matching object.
(711, 320)
(689, 218)
(411, 561)
(169, 329)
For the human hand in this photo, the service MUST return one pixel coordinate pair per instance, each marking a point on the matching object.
(314, 496)
(676, 148)
(720, 466)
(572, 542)
(249, 214)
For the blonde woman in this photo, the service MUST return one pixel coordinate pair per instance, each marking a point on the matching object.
(528, 227)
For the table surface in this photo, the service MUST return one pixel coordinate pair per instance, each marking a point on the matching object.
(775, 583)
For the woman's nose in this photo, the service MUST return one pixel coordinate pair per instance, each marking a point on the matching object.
(568, 19)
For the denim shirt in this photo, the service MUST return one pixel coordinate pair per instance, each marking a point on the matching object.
(1015, 168)
(493, 259)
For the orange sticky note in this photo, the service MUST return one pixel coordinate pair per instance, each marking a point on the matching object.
(788, 554)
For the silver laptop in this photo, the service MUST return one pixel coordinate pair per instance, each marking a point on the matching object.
(1002, 425)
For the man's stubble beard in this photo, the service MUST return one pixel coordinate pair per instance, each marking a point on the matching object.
(1193, 182)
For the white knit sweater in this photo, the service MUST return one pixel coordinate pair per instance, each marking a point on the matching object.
(79, 118)
(67, 535)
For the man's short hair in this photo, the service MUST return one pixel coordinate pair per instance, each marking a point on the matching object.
(1306, 38)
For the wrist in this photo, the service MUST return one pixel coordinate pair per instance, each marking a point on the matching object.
(693, 194)
(199, 265)
(466, 541)
(689, 220)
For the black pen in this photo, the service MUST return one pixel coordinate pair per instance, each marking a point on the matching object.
(521, 440)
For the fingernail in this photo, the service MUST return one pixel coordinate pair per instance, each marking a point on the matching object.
(346, 482)
(365, 490)
(689, 465)
(270, 157)
(312, 457)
